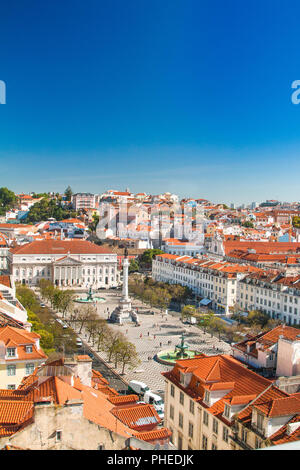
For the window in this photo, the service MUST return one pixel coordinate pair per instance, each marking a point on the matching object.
(58, 435)
(11, 352)
(29, 368)
(192, 407)
(214, 447)
(11, 387)
(244, 435)
(191, 429)
(172, 391)
(204, 442)
(227, 411)
(11, 370)
(180, 420)
(206, 396)
(205, 418)
(29, 348)
(257, 443)
(225, 434)
(260, 420)
(171, 412)
(215, 426)
(181, 398)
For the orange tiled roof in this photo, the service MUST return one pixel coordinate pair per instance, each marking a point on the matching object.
(5, 280)
(15, 412)
(139, 416)
(59, 247)
(237, 380)
(20, 338)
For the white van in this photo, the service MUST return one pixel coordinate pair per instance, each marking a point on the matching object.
(156, 401)
(137, 387)
(78, 342)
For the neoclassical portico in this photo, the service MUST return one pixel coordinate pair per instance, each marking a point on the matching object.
(67, 272)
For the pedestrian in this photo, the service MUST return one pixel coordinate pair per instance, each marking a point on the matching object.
(154, 337)
(148, 333)
(141, 335)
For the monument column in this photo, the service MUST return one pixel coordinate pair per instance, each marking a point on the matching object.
(125, 279)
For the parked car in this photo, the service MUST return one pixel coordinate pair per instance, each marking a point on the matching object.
(43, 305)
(78, 342)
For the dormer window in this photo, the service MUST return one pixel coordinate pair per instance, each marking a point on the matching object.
(260, 421)
(207, 397)
(227, 411)
(11, 352)
(29, 348)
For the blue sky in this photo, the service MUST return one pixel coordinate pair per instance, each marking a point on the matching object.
(190, 96)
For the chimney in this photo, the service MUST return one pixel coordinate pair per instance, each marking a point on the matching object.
(84, 369)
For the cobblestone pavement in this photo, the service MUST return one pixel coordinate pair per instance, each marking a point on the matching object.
(157, 332)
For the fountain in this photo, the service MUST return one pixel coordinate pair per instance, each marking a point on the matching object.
(181, 351)
(90, 298)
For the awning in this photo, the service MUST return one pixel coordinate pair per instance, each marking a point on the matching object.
(205, 302)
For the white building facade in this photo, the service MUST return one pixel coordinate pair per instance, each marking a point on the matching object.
(65, 263)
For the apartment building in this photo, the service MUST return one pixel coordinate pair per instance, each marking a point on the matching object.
(83, 201)
(275, 352)
(20, 354)
(272, 292)
(202, 397)
(214, 280)
(273, 418)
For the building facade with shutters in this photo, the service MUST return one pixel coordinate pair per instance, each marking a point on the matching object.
(69, 263)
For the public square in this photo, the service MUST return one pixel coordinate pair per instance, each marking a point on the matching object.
(156, 332)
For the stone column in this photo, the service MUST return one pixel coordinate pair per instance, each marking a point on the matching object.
(125, 279)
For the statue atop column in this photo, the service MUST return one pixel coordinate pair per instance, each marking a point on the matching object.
(124, 310)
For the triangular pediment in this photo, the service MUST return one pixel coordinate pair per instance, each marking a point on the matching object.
(67, 261)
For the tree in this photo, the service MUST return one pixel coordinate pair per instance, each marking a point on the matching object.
(258, 317)
(85, 314)
(47, 341)
(26, 297)
(94, 223)
(148, 255)
(248, 224)
(8, 200)
(111, 342)
(204, 320)
(188, 311)
(217, 325)
(101, 332)
(134, 266)
(68, 193)
(66, 299)
(46, 208)
(127, 355)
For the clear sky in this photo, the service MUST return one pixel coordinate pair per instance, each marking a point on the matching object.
(189, 96)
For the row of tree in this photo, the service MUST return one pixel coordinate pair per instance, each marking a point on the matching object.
(60, 300)
(53, 336)
(254, 323)
(111, 342)
(157, 294)
(104, 338)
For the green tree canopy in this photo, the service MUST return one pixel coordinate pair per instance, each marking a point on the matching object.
(68, 193)
(8, 200)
